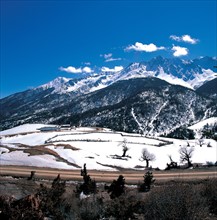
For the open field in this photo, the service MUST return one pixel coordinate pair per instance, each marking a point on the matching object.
(100, 149)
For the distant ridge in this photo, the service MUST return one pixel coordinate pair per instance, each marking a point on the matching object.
(152, 97)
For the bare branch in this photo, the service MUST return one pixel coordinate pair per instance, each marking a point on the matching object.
(186, 155)
(147, 156)
(125, 148)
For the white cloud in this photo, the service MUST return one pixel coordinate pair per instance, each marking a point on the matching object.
(179, 51)
(87, 70)
(115, 69)
(184, 38)
(144, 47)
(71, 69)
(108, 57)
(176, 38)
(112, 59)
(87, 63)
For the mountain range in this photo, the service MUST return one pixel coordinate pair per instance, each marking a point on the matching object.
(153, 97)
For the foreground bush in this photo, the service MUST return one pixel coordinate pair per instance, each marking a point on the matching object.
(117, 188)
(179, 201)
(148, 181)
(50, 198)
(169, 201)
(127, 206)
(210, 193)
(88, 186)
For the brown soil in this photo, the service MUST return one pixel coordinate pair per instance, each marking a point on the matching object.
(131, 176)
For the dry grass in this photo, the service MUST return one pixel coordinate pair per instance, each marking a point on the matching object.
(40, 150)
(66, 146)
(171, 201)
(22, 133)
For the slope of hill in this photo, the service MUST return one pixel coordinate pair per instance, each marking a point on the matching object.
(99, 149)
(148, 105)
(209, 88)
(135, 99)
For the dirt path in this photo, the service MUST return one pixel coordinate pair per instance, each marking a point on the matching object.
(106, 176)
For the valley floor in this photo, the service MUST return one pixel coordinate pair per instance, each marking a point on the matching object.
(100, 149)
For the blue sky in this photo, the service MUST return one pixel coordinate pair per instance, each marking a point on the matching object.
(41, 40)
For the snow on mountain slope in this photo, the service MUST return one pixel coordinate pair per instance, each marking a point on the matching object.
(63, 98)
(188, 73)
(200, 79)
(198, 126)
(75, 87)
(173, 80)
(147, 105)
(209, 89)
(23, 128)
(96, 149)
(59, 84)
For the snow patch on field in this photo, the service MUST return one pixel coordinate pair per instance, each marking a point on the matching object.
(23, 159)
(96, 149)
(24, 128)
(198, 127)
(201, 124)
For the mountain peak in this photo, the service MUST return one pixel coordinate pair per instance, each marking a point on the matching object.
(58, 84)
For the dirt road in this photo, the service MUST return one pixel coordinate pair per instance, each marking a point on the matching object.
(131, 176)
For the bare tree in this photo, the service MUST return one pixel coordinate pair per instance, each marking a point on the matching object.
(170, 157)
(32, 176)
(201, 142)
(172, 164)
(186, 155)
(147, 156)
(125, 148)
(209, 144)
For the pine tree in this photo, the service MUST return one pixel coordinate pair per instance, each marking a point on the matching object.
(88, 186)
(148, 181)
(117, 187)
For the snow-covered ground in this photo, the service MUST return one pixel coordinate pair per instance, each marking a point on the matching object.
(95, 147)
(198, 127)
(210, 121)
(24, 128)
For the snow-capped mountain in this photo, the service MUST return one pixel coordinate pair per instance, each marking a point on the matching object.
(188, 73)
(136, 99)
(209, 88)
(148, 105)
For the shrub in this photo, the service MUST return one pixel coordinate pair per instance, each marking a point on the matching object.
(127, 206)
(148, 181)
(117, 187)
(182, 133)
(51, 198)
(179, 201)
(25, 208)
(91, 208)
(210, 193)
(88, 186)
